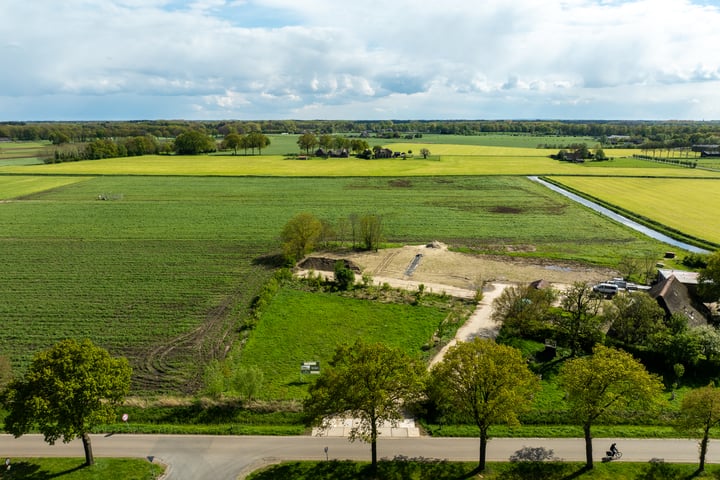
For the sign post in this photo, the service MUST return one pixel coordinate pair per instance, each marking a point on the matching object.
(310, 367)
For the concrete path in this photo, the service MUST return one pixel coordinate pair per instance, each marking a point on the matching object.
(480, 323)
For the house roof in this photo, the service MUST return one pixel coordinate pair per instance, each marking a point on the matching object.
(672, 295)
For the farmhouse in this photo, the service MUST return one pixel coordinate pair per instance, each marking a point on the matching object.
(674, 297)
(383, 153)
(333, 153)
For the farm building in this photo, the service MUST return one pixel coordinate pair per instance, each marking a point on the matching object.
(383, 153)
(674, 297)
(707, 150)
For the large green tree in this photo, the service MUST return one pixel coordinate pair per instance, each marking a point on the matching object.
(483, 382)
(232, 141)
(300, 235)
(193, 142)
(579, 325)
(699, 412)
(634, 317)
(257, 140)
(601, 385)
(523, 309)
(67, 390)
(370, 382)
(307, 141)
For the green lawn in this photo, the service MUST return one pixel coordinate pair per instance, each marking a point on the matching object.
(74, 469)
(302, 326)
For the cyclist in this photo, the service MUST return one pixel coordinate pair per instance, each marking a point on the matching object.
(613, 450)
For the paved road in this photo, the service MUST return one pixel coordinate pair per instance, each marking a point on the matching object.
(230, 457)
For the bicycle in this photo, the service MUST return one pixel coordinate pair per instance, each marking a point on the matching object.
(616, 456)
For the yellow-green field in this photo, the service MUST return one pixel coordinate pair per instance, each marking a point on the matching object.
(484, 161)
(12, 186)
(688, 205)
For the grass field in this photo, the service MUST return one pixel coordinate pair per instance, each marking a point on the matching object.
(301, 326)
(74, 469)
(21, 153)
(683, 204)
(164, 274)
(21, 185)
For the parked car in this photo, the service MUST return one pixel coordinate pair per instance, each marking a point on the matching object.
(608, 289)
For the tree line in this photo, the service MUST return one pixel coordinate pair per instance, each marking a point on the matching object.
(192, 142)
(619, 133)
(304, 232)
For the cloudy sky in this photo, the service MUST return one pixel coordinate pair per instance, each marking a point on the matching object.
(359, 59)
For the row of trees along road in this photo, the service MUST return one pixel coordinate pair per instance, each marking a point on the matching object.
(488, 384)
(75, 386)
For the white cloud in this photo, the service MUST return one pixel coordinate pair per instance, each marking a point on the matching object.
(283, 58)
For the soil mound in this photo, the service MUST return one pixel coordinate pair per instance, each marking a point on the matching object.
(327, 264)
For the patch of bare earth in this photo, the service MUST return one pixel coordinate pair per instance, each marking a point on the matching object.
(439, 265)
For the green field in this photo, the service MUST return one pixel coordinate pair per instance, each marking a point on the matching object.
(301, 326)
(457, 160)
(21, 185)
(164, 274)
(74, 469)
(686, 205)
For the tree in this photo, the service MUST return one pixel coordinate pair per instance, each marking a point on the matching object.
(523, 309)
(634, 317)
(484, 382)
(67, 390)
(325, 141)
(256, 140)
(300, 235)
(344, 276)
(424, 152)
(699, 412)
(307, 141)
(371, 231)
(709, 278)
(579, 324)
(358, 145)
(371, 382)
(232, 141)
(600, 154)
(193, 142)
(601, 385)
